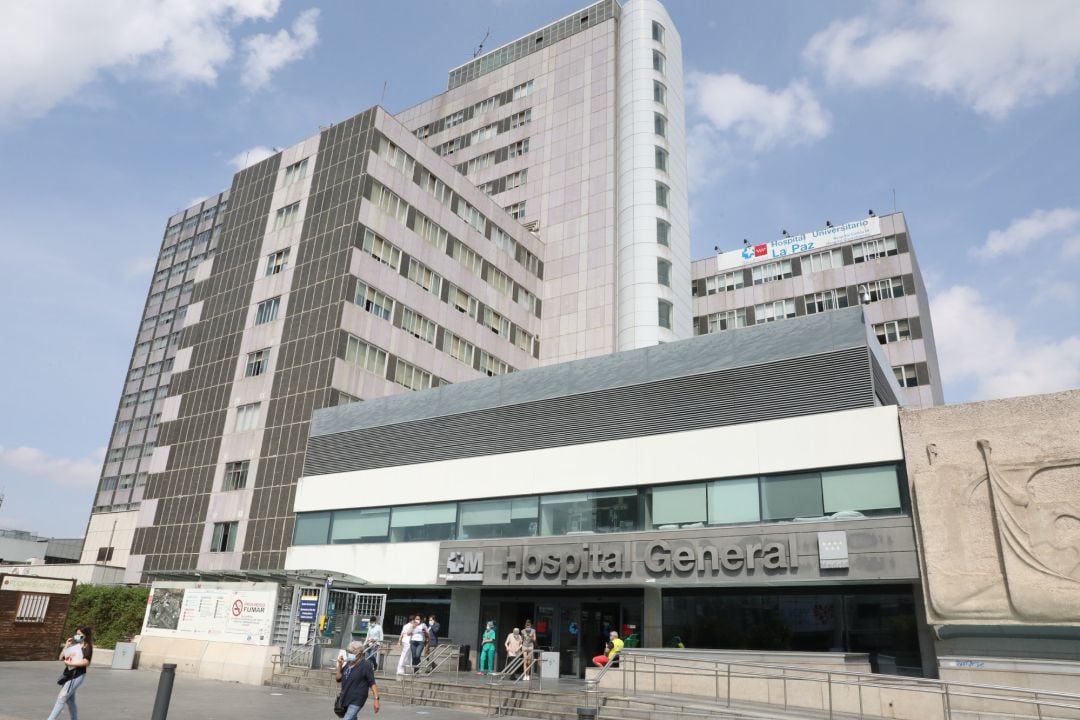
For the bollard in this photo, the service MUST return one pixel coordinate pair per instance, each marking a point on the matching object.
(586, 713)
(164, 692)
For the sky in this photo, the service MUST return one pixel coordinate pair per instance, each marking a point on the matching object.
(117, 113)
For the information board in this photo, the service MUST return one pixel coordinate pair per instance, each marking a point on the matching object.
(240, 613)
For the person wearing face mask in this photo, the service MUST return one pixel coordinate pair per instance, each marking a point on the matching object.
(357, 679)
(405, 643)
(487, 650)
(528, 644)
(513, 646)
(76, 657)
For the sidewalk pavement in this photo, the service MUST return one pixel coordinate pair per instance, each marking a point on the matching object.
(28, 691)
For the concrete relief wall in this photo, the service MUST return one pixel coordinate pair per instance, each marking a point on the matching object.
(996, 493)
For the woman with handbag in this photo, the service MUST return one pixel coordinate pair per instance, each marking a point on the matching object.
(76, 656)
(357, 678)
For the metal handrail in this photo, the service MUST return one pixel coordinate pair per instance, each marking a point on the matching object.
(949, 691)
(497, 678)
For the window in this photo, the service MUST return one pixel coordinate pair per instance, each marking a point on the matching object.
(388, 201)
(496, 323)
(500, 281)
(140, 479)
(267, 310)
(892, 331)
(873, 249)
(786, 497)
(522, 118)
(423, 522)
(277, 262)
(148, 323)
(734, 500)
(660, 124)
(471, 215)
(517, 179)
(663, 272)
(825, 260)
(139, 423)
(464, 302)
(503, 241)
(662, 192)
(236, 474)
(381, 249)
(418, 326)
(869, 490)
(32, 608)
(508, 517)
(659, 62)
(396, 157)
(104, 554)
(126, 481)
(247, 417)
(528, 300)
(108, 483)
(312, 529)
(377, 303)
(599, 511)
(726, 320)
(769, 312)
(659, 92)
(525, 341)
(467, 257)
(358, 526)
(430, 231)
(770, 272)
(906, 375)
(224, 538)
(115, 455)
(518, 148)
(367, 356)
(425, 277)
(492, 366)
(123, 427)
(664, 312)
(287, 215)
(724, 282)
(458, 348)
(828, 300)
(257, 363)
(412, 377)
(437, 188)
(677, 506)
(661, 159)
(663, 232)
(296, 171)
(885, 289)
(522, 90)
(517, 210)
(159, 343)
(658, 32)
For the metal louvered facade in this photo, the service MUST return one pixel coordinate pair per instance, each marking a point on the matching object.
(791, 385)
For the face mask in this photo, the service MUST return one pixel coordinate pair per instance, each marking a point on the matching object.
(351, 657)
(78, 638)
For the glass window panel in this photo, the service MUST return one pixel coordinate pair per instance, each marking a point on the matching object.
(360, 526)
(784, 497)
(860, 489)
(415, 515)
(734, 501)
(678, 504)
(311, 529)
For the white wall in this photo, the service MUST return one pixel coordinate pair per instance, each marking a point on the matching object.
(105, 529)
(413, 563)
(852, 437)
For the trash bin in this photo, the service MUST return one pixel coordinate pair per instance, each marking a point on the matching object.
(549, 665)
(123, 656)
(586, 713)
(463, 664)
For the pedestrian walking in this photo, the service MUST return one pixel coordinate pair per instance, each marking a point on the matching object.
(417, 641)
(357, 679)
(528, 644)
(513, 646)
(487, 650)
(76, 656)
(374, 642)
(434, 628)
(404, 642)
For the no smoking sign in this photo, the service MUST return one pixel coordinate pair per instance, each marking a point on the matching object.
(237, 607)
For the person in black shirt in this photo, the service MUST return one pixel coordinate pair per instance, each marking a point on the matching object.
(356, 676)
(76, 656)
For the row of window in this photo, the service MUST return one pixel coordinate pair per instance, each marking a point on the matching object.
(813, 262)
(848, 493)
(487, 132)
(493, 157)
(148, 395)
(504, 183)
(486, 105)
(197, 244)
(123, 482)
(179, 268)
(160, 343)
(131, 452)
(155, 368)
(206, 216)
(141, 422)
(174, 292)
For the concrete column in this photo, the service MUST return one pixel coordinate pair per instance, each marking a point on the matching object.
(465, 618)
(927, 650)
(652, 635)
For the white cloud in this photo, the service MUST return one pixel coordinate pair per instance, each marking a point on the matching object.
(756, 115)
(269, 53)
(1039, 226)
(249, 157)
(993, 55)
(53, 49)
(79, 472)
(982, 344)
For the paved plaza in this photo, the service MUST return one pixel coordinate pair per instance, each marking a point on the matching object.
(28, 691)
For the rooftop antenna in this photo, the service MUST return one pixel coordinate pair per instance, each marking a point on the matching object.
(894, 199)
(385, 84)
(480, 48)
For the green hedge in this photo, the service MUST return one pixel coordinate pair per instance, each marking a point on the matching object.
(114, 612)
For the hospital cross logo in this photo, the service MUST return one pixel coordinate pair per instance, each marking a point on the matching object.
(465, 565)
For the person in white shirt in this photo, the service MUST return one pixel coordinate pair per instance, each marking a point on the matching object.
(418, 640)
(374, 642)
(404, 643)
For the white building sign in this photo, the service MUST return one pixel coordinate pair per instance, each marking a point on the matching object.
(243, 614)
(802, 243)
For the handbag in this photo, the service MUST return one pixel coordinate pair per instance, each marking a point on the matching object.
(339, 706)
(68, 674)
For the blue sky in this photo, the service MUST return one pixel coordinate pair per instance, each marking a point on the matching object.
(115, 114)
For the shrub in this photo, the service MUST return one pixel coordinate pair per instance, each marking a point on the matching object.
(114, 612)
